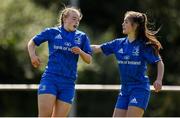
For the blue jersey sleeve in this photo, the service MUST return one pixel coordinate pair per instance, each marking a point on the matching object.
(42, 37)
(86, 45)
(150, 56)
(108, 47)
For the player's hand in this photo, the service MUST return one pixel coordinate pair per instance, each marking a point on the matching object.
(157, 85)
(76, 50)
(35, 61)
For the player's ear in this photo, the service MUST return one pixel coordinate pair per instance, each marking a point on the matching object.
(135, 26)
(63, 19)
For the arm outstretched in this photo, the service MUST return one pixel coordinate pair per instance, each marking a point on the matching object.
(96, 48)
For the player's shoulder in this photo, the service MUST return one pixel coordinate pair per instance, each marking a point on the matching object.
(51, 29)
(80, 32)
(120, 40)
(56, 28)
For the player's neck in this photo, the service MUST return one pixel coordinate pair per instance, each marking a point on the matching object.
(131, 37)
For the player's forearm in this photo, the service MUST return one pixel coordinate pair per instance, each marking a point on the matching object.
(96, 48)
(160, 68)
(31, 48)
(86, 57)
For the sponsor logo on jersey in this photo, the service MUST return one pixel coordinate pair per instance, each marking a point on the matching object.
(58, 36)
(67, 44)
(64, 48)
(129, 62)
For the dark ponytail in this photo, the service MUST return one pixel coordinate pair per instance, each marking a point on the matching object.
(150, 36)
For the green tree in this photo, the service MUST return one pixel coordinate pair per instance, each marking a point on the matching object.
(20, 21)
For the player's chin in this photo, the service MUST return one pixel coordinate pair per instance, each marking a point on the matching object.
(124, 32)
(73, 29)
(75, 26)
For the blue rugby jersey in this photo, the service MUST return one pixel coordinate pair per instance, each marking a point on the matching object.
(61, 60)
(132, 58)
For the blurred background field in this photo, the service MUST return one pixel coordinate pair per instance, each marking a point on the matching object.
(20, 20)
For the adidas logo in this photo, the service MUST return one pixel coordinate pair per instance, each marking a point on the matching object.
(120, 50)
(134, 101)
(58, 36)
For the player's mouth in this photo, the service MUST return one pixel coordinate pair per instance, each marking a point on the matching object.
(124, 29)
(75, 26)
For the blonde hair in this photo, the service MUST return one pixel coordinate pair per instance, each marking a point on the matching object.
(65, 12)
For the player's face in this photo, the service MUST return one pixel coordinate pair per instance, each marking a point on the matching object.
(71, 22)
(127, 26)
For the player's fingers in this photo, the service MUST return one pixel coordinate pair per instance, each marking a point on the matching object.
(157, 87)
(39, 61)
(36, 63)
(75, 50)
(156, 90)
(72, 49)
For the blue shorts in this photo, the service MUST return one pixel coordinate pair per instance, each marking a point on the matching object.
(63, 88)
(133, 95)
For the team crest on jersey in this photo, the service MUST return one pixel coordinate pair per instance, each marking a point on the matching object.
(135, 51)
(121, 51)
(77, 40)
(58, 36)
